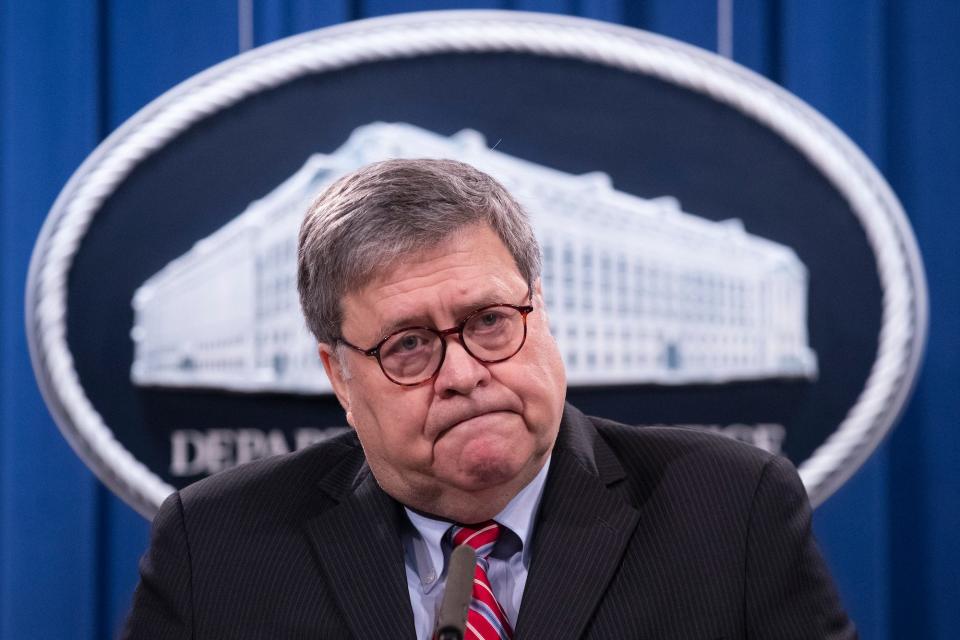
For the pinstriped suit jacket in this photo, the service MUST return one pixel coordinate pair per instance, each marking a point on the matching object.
(642, 533)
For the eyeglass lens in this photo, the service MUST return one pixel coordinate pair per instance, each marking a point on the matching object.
(491, 334)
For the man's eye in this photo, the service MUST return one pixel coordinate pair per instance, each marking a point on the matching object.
(405, 344)
(409, 343)
(488, 321)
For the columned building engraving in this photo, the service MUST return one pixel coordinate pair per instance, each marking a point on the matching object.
(638, 290)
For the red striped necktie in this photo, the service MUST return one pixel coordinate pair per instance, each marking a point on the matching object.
(486, 619)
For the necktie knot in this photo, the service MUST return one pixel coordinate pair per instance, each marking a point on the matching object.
(482, 537)
(486, 619)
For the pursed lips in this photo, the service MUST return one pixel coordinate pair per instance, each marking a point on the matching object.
(458, 419)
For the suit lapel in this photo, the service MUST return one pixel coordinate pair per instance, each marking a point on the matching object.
(357, 543)
(581, 533)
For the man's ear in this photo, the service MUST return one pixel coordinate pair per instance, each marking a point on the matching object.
(336, 374)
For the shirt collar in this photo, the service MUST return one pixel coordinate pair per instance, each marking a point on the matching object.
(519, 516)
(521, 512)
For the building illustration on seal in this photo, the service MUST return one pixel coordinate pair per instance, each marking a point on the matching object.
(638, 291)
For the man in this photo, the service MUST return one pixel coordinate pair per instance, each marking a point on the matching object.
(420, 281)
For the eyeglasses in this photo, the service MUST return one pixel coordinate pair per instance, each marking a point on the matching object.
(413, 355)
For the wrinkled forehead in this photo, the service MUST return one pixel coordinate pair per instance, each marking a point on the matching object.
(466, 269)
(392, 257)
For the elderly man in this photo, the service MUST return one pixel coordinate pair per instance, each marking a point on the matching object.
(420, 281)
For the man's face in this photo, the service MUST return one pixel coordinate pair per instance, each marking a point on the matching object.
(476, 433)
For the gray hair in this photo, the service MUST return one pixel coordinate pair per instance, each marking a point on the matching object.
(370, 219)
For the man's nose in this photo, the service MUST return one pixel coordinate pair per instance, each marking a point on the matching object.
(460, 373)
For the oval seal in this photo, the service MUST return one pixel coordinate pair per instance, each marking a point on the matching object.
(716, 254)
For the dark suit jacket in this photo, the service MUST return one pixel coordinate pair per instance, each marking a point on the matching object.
(642, 533)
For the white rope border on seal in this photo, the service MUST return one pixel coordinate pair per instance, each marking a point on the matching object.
(904, 308)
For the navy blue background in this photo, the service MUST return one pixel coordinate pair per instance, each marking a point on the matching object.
(885, 72)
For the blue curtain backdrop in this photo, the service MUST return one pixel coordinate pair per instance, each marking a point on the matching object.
(886, 72)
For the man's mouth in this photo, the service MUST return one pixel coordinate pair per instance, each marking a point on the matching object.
(473, 416)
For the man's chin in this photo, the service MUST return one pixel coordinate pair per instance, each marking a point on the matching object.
(483, 473)
(485, 478)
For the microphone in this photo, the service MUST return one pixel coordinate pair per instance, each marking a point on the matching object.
(452, 621)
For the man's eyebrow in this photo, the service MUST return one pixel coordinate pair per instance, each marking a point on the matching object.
(423, 320)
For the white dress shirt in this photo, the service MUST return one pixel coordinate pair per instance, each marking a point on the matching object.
(427, 552)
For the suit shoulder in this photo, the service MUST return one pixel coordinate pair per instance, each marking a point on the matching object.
(693, 456)
(672, 440)
(275, 483)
